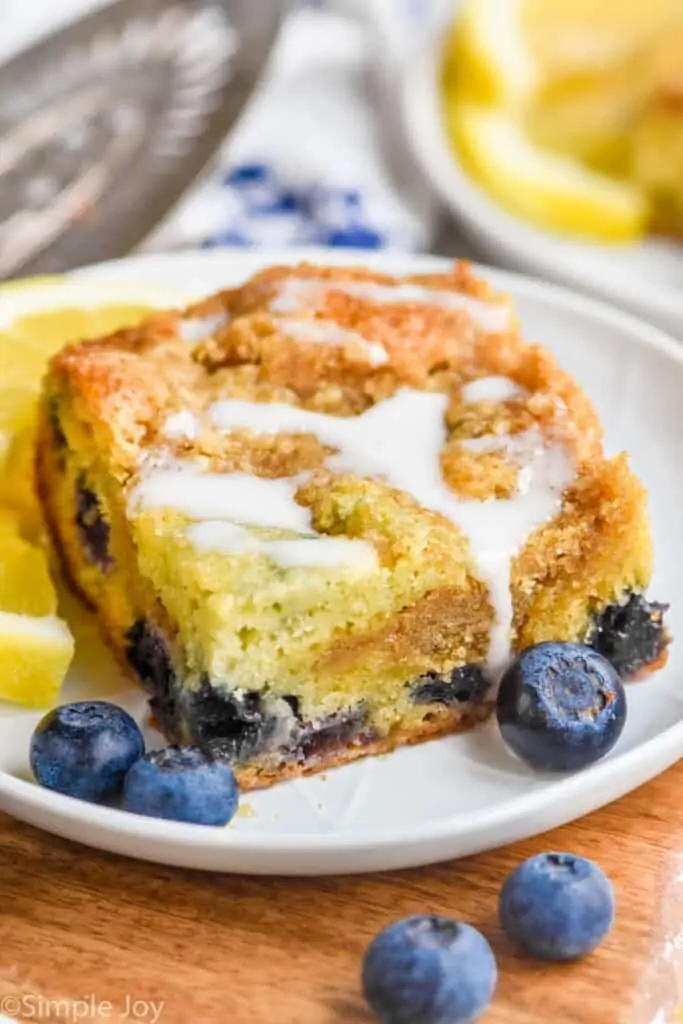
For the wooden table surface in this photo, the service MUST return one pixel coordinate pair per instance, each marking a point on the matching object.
(130, 941)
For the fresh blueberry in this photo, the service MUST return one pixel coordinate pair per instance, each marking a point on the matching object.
(339, 729)
(58, 436)
(149, 655)
(460, 686)
(428, 969)
(85, 749)
(557, 906)
(233, 726)
(561, 706)
(632, 636)
(181, 784)
(93, 529)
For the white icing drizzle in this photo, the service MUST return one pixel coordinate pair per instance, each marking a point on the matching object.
(238, 497)
(196, 329)
(216, 535)
(521, 448)
(480, 445)
(491, 389)
(310, 552)
(297, 293)
(181, 425)
(327, 332)
(399, 441)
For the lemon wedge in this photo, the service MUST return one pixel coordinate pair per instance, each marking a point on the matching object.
(575, 74)
(37, 317)
(36, 646)
(505, 51)
(16, 413)
(82, 296)
(569, 38)
(553, 191)
(35, 654)
(488, 57)
(9, 523)
(25, 584)
(18, 484)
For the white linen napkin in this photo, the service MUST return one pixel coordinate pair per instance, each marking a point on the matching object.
(318, 157)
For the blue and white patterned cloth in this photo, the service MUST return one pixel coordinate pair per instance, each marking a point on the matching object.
(310, 162)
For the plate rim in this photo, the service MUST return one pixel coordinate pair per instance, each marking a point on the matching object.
(655, 754)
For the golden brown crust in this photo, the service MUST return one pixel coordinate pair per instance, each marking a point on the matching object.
(444, 625)
(595, 551)
(443, 722)
(427, 346)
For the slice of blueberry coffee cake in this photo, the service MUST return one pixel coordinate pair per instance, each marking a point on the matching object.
(315, 514)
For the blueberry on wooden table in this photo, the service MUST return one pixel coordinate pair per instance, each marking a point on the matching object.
(561, 706)
(181, 784)
(85, 749)
(557, 906)
(428, 969)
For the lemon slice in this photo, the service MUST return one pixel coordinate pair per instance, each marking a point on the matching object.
(25, 584)
(555, 192)
(32, 295)
(16, 412)
(35, 654)
(570, 38)
(37, 320)
(9, 523)
(508, 50)
(37, 317)
(17, 481)
(488, 56)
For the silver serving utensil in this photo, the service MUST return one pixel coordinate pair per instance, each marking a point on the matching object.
(105, 124)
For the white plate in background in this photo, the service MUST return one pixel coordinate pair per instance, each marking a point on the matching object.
(645, 277)
(454, 796)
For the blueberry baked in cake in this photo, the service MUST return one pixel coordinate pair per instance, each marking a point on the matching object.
(317, 513)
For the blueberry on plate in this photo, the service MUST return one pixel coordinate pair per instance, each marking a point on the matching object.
(561, 706)
(557, 906)
(85, 749)
(427, 969)
(181, 784)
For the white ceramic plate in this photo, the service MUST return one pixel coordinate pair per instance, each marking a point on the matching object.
(454, 796)
(646, 278)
